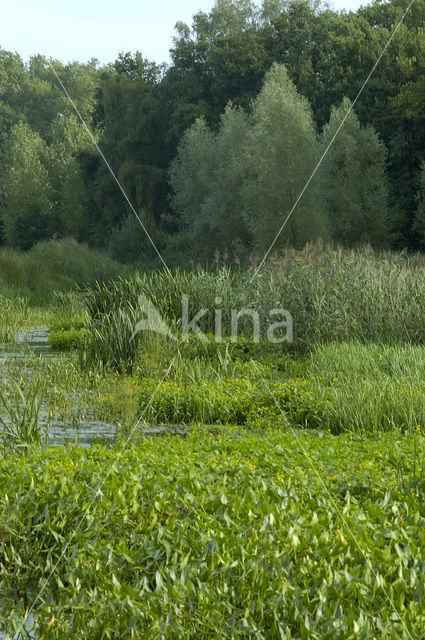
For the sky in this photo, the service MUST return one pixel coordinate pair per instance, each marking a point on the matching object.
(85, 29)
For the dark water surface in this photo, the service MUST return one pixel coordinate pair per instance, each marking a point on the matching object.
(83, 433)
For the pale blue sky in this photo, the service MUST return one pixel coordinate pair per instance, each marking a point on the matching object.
(82, 29)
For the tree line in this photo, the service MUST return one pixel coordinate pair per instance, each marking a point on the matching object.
(214, 148)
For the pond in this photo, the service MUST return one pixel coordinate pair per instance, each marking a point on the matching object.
(83, 432)
(28, 628)
(80, 432)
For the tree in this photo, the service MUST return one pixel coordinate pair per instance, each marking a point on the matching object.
(69, 141)
(190, 175)
(132, 140)
(129, 242)
(280, 156)
(207, 177)
(27, 213)
(44, 99)
(12, 77)
(222, 209)
(354, 189)
(419, 224)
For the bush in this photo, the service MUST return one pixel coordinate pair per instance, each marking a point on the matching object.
(51, 266)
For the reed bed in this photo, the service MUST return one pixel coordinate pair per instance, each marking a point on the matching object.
(332, 295)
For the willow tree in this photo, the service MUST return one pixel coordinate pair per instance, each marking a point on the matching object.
(222, 208)
(207, 177)
(190, 176)
(281, 152)
(354, 192)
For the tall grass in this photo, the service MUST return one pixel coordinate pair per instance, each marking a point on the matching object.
(351, 387)
(13, 314)
(378, 362)
(109, 342)
(370, 387)
(339, 295)
(333, 296)
(20, 423)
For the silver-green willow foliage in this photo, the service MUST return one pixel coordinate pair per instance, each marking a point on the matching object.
(207, 177)
(280, 155)
(353, 185)
(234, 188)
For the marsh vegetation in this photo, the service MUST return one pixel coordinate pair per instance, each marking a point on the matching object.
(252, 488)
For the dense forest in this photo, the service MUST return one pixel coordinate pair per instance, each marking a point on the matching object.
(214, 148)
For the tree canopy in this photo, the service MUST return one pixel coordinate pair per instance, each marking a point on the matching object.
(252, 93)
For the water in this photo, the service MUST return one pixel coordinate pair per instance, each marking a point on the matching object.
(164, 430)
(35, 341)
(29, 627)
(83, 433)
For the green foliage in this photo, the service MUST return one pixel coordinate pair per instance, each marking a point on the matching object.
(132, 137)
(353, 183)
(243, 349)
(190, 176)
(129, 243)
(13, 313)
(66, 339)
(236, 400)
(52, 266)
(27, 215)
(12, 78)
(234, 189)
(139, 112)
(420, 212)
(281, 154)
(333, 295)
(20, 417)
(207, 177)
(254, 528)
(337, 295)
(413, 482)
(215, 536)
(110, 341)
(341, 387)
(375, 387)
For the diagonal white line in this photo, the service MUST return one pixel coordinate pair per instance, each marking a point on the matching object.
(305, 452)
(337, 509)
(333, 139)
(92, 138)
(45, 583)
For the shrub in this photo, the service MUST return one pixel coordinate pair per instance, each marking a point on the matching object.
(51, 266)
